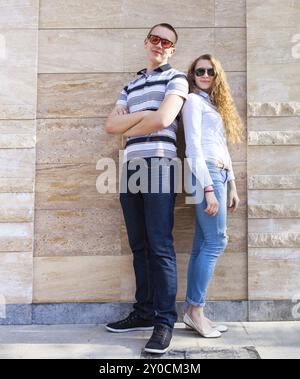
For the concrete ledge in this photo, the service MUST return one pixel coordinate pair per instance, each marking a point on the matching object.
(101, 313)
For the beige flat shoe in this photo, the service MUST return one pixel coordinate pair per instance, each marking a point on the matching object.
(189, 322)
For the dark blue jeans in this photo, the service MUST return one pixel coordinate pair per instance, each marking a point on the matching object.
(149, 222)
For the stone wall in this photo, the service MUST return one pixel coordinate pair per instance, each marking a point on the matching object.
(62, 65)
(273, 91)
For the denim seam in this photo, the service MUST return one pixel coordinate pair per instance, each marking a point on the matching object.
(189, 301)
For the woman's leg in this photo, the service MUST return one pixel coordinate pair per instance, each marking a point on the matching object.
(210, 241)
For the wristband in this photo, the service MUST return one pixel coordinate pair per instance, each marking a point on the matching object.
(208, 188)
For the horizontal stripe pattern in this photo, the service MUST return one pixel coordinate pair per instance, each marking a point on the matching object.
(147, 93)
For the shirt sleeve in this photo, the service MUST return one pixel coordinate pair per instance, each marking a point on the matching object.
(192, 119)
(178, 85)
(122, 98)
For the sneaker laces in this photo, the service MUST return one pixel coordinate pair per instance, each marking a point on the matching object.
(129, 318)
(160, 332)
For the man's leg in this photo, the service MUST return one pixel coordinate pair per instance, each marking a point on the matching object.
(143, 315)
(133, 210)
(159, 218)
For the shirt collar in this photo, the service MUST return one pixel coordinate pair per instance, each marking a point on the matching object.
(204, 94)
(164, 67)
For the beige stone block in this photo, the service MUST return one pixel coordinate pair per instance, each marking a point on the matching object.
(273, 274)
(274, 240)
(16, 237)
(16, 207)
(76, 279)
(75, 141)
(272, 13)
(280, 124)
(237, 232)
(17, 164)
(274, 210)
(72, 186)
(16, 134)
(94, 95)
(19, 14)
(16, 185)
(273, 225)
(274, 182)
(231, 42)
(18, 74)
(77, 232)
(273, 232)
(229, 281)
(16, 276)
(278, 109)
(274, 84)
(263, 160)
(83, 50)
(78, 51)
(271, 46)
(273, 197)
(127, 14)
(273, 138)
(231, 13)
(237, 83)
(79, 95)
(238, 151)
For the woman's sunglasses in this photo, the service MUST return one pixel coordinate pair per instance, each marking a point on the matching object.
(201, 71)
(155, 40)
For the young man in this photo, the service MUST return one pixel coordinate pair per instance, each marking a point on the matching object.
(146, 113)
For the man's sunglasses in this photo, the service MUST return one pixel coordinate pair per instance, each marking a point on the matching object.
(201, 71)
(155, 40)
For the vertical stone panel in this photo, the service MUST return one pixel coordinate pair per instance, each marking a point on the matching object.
(273, 150)
(18, 98)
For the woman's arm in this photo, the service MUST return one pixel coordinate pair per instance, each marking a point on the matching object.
(192, 118)
(233, 199)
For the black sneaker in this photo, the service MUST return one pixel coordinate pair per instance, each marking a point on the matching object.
(160, 339)
(131, 323)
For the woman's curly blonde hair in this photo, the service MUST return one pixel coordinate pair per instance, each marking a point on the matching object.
(221, 97)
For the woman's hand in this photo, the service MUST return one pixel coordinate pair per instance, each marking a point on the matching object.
(212, 204)
(232, 198)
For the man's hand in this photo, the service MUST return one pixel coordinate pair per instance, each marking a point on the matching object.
(157, 120)
(119, 110)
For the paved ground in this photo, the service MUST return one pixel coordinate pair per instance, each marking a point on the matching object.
(278, 340)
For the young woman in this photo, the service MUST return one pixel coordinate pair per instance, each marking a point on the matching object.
(210, 120)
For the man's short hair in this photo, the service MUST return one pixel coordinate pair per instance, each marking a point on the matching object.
(165, 25)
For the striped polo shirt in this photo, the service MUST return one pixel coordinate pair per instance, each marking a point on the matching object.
(146, 93)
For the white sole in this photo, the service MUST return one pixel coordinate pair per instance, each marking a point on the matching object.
(129, 330)
(155, 351)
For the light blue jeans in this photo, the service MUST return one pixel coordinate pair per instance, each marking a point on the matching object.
(210, 240)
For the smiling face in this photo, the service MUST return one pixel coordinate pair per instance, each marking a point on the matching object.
(157, 55)
(205, 82)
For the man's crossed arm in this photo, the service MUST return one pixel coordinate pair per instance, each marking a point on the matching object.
(144, 122)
